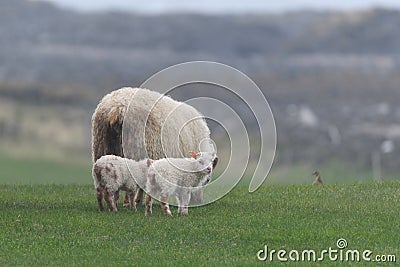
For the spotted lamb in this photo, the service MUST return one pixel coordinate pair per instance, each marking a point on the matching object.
(112, 173)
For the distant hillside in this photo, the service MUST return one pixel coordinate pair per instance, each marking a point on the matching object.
(115, 47)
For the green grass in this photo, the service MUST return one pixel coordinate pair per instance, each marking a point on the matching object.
(59, 225)
(77, 170)
(16, 170)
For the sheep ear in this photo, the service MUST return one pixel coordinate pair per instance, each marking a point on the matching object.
(149, 162)
(192, 154)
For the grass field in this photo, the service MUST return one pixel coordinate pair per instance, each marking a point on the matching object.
(59, 225)
(77, 170)
(30, 170)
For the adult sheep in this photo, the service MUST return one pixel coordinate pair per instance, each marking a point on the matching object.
(138, 123)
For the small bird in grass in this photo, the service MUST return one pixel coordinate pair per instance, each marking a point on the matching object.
(318, 179)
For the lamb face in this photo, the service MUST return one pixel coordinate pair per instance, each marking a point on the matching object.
(204, 162)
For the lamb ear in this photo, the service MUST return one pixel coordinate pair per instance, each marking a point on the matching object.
(192, 154)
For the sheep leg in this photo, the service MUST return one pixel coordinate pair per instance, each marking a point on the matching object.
(196, 196)
(110, 199)
(99, 195)
(116, 196)
(139, 196)
(149, 204)
(164, 204)
(184, 203)
(179, 202)
(132, 203)
(126, 200)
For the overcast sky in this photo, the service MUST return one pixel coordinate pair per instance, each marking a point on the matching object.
(223, 6)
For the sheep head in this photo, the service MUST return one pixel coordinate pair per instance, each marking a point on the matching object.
(205, 161)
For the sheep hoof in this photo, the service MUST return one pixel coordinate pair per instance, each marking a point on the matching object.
(183, 213)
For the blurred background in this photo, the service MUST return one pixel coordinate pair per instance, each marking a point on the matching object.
(330, 71)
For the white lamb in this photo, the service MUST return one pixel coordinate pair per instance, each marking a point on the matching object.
(178, 176)
(112, 173)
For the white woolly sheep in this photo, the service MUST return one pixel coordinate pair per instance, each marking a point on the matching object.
(178, 176)
(112, 173)
(171, 128)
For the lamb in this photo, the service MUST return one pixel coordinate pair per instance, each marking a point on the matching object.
(178, 176)
(155, 126)
(112, 173)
